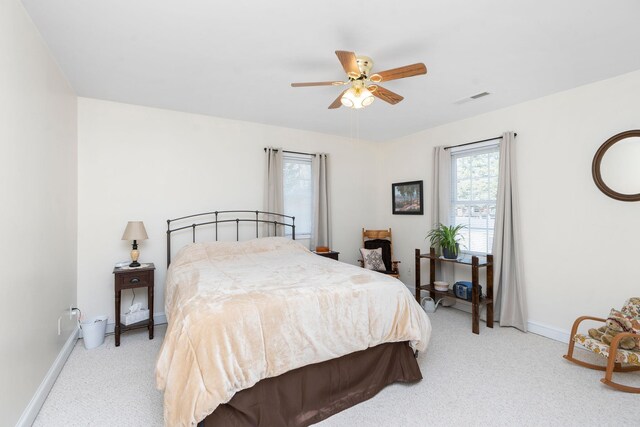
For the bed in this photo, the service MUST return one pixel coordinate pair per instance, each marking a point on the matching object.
(264, 332)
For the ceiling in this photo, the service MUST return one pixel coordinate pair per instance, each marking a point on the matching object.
(236, 59)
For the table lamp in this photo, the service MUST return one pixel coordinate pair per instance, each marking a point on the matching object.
(135, 231)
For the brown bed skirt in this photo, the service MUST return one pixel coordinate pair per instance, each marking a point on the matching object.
(312, 393)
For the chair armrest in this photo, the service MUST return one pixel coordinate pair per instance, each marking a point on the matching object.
(582, 318)
(579, 320)
(616, 340)
(613, 354)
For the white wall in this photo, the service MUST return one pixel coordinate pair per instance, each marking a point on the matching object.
(138, 163)
(38, 215)
(579, 246)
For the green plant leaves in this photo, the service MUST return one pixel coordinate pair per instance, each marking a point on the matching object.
(446, 236)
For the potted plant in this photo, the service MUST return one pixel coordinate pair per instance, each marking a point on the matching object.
(446, 237)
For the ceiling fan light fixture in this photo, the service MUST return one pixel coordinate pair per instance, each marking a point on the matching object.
(357, 97)
(346, 100)
(367, 98)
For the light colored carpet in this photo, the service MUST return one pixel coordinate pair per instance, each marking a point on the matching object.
(501, 377)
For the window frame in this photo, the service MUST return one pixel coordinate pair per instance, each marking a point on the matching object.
(456, 153)
(288, 157)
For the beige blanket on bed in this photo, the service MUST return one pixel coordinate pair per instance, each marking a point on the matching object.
(241, 312)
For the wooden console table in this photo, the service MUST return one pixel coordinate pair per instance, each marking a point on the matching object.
(476, 299)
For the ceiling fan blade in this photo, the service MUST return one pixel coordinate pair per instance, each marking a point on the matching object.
(399, 73)
(385, 94)
(337, 103)
(348, 61)
(336, 83)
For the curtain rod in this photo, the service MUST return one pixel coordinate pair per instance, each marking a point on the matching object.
(293, 152)
(474, 142)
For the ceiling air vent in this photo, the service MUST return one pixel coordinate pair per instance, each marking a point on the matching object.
(479, 95)
(472, 97)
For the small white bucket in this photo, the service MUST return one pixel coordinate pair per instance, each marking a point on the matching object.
(93, 332)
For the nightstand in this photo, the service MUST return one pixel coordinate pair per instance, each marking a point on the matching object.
(130, 278)
(330, 254)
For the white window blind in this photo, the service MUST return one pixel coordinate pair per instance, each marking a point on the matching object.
(474, 189)
(298, 192)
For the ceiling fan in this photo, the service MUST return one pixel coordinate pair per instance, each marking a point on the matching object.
(364, 85)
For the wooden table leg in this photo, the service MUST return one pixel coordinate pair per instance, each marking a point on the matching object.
(475, 297)
(150, 297)
(490, 315)
(432, 271)
(475, 326)
(117, 327)
(417, 273)
(490, 290)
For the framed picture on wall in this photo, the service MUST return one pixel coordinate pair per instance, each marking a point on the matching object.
(407, 198)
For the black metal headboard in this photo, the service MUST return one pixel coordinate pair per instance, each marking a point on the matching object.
(212, 218)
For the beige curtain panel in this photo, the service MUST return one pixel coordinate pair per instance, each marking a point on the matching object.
(509, 288)
(273, 191)
(440, 201)
(321, 226)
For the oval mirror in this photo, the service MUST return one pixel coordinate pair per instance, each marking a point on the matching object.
(616, 166)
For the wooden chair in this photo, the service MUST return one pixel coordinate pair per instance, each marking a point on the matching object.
(374, 239)
(616, 356)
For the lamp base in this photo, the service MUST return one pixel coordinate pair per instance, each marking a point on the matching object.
(134, 255)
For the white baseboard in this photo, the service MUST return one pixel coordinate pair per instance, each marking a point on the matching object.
(31, 411)
(158, 319)
(549, 331)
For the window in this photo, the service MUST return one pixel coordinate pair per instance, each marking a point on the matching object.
(298, 192)
(474, 189)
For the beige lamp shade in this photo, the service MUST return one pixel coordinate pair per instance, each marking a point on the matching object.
(135, 231)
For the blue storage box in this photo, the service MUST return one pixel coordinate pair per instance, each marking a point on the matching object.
(464, 289)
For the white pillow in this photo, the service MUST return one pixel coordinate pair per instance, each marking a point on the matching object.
(373, 259)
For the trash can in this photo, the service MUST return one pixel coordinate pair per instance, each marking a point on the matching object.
(93, 332)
